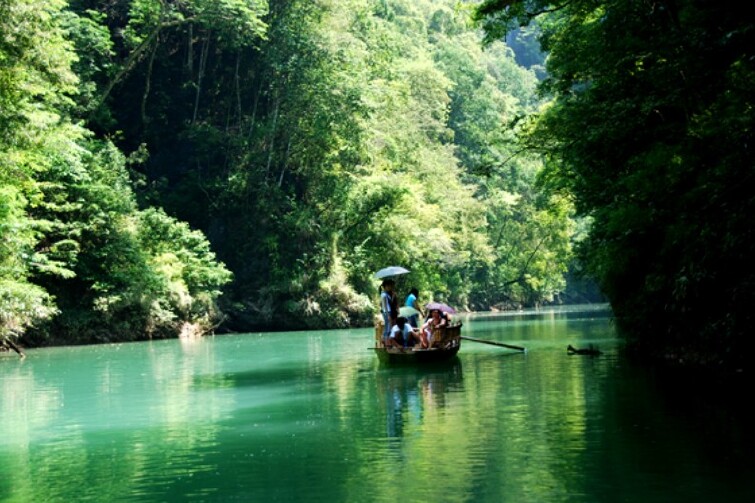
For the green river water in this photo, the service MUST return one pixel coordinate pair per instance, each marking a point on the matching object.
(312, 416)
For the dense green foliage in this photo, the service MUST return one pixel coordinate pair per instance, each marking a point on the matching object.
(312, 143)
(651, 131)
(79, 261)
(353, 135)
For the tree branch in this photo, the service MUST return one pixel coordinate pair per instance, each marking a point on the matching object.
(135, 56)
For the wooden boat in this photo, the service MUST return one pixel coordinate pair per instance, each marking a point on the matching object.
(446, 343)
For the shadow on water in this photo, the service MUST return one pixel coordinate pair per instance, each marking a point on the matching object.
(715, 405)
(258, 377)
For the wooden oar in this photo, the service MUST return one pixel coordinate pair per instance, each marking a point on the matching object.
(493, 343)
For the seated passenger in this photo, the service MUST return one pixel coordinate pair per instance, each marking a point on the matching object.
(436, 320)
(403, 334)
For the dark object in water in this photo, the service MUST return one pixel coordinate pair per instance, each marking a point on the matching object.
(6, 345)
(590, 351)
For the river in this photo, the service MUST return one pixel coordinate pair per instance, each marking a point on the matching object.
(312, 416)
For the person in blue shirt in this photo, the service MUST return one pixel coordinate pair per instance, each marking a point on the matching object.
(411, 301)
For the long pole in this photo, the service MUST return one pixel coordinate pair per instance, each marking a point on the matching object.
(493, 343)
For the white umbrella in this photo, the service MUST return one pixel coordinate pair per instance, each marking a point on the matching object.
(390, 271)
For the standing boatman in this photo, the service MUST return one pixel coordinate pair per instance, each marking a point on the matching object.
(388, 307)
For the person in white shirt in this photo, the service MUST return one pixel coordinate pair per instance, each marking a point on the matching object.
(403, 334)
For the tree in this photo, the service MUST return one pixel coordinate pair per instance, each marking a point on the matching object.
(650, 131)
(137, 274)
(35, 81)
(346, 136)
(69, 224)
(529, 233)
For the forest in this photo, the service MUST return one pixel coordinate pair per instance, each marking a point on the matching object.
(649, 132)
(183, 166)
(176, 167)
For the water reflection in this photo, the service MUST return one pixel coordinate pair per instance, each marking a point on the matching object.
(407, 393)
(98, 422)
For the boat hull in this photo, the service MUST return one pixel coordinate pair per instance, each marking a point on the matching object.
(412, 356)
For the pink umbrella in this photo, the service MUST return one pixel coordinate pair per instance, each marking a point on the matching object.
(445, 308)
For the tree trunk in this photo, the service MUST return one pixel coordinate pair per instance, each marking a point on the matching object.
(9, 343)
(237, 79)
(285, 164)
(148, 83)
(272, 137)
(254, 110)
(190, 52)
(200, 76)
